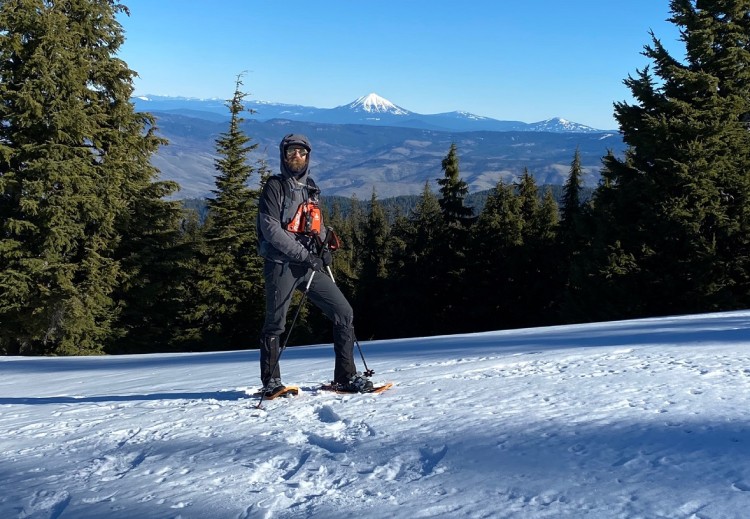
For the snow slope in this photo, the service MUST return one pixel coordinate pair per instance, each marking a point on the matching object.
(632, 419)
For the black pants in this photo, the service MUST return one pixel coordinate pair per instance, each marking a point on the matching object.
(281, 281)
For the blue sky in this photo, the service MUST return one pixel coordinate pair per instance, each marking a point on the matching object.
(511, 60)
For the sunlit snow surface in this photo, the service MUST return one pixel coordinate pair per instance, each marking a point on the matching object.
(645, 418)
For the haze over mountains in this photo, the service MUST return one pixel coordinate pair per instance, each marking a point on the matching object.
(372, 143)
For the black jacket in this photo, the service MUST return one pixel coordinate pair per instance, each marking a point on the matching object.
(277, 205)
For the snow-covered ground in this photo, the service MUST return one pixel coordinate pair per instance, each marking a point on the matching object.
(647, 418)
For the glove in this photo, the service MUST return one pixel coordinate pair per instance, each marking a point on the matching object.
(315, 262)
(326, 257)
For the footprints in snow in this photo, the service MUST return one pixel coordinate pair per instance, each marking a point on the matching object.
(326, 414)
(430, 458)
(324, 460)
(49, 503)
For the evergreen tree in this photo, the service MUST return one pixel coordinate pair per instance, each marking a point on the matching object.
(548, 218)
(528, 193)
(371, 295)
(346, 268)
(573, 237)
(453, 191)
(347, 261)
(74, 172)
(495, 242)
(152, 255)
(354, 234)
(672, 215)
(230, 289)
(570, 212)
(546, 290)
(536, 266)
(415, 280)
(192, 244)
(375, 234)
(451, 262)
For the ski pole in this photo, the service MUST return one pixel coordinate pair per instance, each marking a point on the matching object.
(289, 333)
(330, 243)
(368, 372)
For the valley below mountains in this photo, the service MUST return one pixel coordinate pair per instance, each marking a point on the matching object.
(374, 152)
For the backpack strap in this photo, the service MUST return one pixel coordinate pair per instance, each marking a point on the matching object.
(287, 212)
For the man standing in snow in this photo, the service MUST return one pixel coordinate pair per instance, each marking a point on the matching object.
(290, 233)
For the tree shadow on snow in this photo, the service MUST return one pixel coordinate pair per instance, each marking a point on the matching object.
(226, 396)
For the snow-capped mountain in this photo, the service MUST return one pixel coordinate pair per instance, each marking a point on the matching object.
(558, 124)
(371, 109)
(374, 104)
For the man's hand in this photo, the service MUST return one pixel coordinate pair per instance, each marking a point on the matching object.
(326, 257)
(315, 262)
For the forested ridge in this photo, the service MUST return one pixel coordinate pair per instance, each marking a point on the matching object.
(95, 256)
(393, 206)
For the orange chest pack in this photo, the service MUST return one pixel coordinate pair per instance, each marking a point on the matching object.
(307, 219)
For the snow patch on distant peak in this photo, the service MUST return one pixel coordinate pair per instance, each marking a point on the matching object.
(558, 124)
(469, 115)
(373, 103)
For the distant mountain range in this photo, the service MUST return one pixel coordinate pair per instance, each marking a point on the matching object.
(374, 144)
(369, 110)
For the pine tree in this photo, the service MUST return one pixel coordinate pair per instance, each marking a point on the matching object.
(574, 235)
(570, 212)
(548, 217)
(342, 266)
(536, 286)
(453, 191)
(546, 292)
(356, 223)
(375, 234)
(415, 281)
(152, 256)
(673, 214)
(371, 295)
(457, 220)
(528, 193)
(192, 247)
(345, 265)
(496, 240)
(74, 167)
(230, 289)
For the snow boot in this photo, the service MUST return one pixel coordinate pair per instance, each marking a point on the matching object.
(357, 383)
(272, 387)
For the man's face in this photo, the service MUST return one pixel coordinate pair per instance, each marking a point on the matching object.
(296, 158)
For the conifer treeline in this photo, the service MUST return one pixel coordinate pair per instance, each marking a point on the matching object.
(93, 258)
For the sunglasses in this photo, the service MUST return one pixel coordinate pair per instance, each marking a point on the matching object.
(289, 152)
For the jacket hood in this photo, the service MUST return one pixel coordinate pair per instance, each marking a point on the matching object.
(289, 140)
